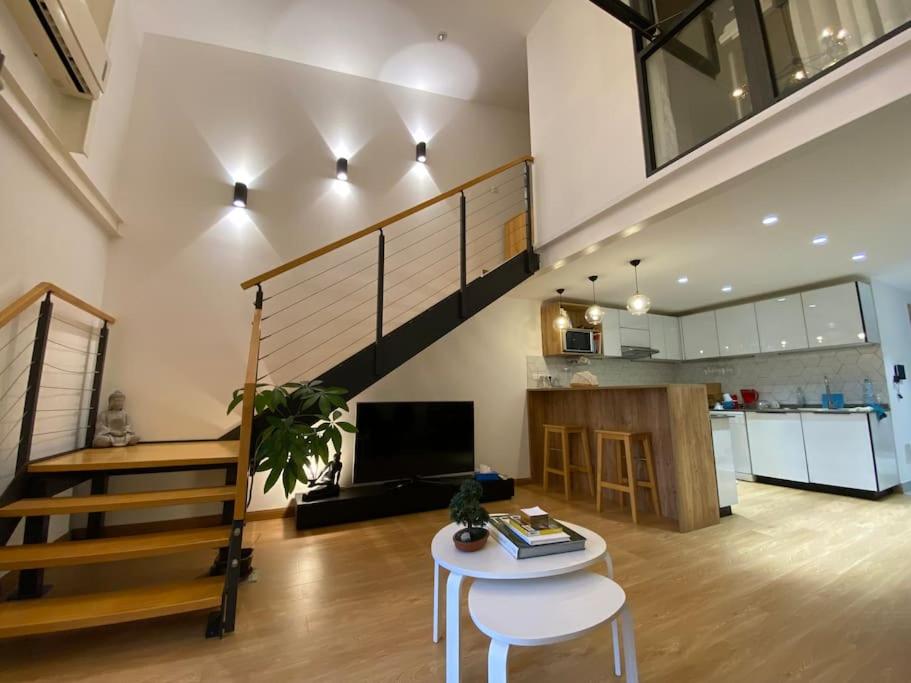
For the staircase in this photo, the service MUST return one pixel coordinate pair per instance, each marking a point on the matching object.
(348, 313)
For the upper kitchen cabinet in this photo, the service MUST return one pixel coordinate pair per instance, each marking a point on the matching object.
(700, 336)
(673, 347)
(781, 324)
(836, 315)
(633, 322)
(738, 334)
(610, 333)
(664, 337)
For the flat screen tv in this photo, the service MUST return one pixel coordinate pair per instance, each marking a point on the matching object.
(398, 441)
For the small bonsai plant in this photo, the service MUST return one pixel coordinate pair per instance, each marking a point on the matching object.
(466, 509)
(302, 432)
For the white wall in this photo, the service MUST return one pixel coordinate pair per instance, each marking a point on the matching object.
(203, 116)
(45, 235)
(894, 319)
(586, 133)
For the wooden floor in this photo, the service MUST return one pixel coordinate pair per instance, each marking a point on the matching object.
(797, 586)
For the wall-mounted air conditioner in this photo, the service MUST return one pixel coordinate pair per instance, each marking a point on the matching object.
(65, 38)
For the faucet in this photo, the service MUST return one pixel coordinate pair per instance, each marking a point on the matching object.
(828, 392)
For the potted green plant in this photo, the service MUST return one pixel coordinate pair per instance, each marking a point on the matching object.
(465, 508)
(301, 434)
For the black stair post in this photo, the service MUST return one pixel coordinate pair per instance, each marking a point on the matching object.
(463, 255)
(29, 410)
(31, 581)
(100, 355)
(380, 285)
(529, 247)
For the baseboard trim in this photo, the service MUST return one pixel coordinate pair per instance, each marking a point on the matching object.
(524, 481)
(271, 513)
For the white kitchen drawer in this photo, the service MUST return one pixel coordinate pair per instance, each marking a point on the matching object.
(839, 450)
(776, 446)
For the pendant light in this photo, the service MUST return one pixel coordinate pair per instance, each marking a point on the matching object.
(638, 304)
(562, 321)
(594, 314)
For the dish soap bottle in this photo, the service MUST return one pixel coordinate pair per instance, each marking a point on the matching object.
(869, 394)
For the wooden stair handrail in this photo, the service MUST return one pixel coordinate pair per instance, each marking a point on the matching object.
(41, 289)
(246, 418)
(376, 227)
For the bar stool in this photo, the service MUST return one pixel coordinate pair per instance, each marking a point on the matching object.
(567, 468)
(627, 474)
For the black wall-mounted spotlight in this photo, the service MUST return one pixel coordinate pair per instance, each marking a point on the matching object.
(240, 195)
(341, 169)
(420, 152)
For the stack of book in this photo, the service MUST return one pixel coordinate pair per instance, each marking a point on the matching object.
(517, 537)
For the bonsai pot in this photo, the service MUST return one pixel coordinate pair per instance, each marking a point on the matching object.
(478, 539)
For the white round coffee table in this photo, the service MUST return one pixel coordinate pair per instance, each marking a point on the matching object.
(493, 562)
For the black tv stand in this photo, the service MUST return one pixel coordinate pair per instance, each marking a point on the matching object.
(358, 503)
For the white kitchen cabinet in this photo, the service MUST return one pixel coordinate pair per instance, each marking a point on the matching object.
(738, 334)
(776, 446)
(673, 349)
(740, 444)
(633, 322)
(724, 459)
(833, 316)
(656, 335)
(610, 333)
(839, 450)
(781, 324)
(700, 336)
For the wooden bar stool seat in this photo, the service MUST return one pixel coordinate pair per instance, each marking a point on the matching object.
(627, 474)
(567, 467)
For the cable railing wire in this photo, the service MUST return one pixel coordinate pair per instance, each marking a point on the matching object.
(419, 225)
(313, 294)
(61, 431)
(13, 405)
(70, 372)
(87, 352)
(18, 334)
(12, 384)
(87, 329)
(316, 275)
(324, 307)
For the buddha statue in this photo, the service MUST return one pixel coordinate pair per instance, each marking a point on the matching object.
(113, 428)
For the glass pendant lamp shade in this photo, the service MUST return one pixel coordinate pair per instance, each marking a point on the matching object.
(594, 314)
(638, 304)
(562, 321)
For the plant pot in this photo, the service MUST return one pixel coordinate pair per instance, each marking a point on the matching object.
(478, 539)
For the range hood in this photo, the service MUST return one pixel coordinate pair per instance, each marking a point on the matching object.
(636, 352)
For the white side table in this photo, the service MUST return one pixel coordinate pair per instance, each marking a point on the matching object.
(493, 562)
(546, 611)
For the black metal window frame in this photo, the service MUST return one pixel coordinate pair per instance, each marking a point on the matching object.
(763, 90)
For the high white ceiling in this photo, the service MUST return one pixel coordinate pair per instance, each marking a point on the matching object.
(394, 41)
(853, 185)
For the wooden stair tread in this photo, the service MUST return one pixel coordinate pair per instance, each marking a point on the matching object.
(67, 505)
(111, 549)
(141, 456)
(47, 615)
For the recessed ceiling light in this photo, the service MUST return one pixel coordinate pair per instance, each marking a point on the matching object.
(820, 240)
(861, 256)
(862, 336)
(781, 298)
(682, 280)
(771, 219)
(811, 306)
(442, 35)
(727, 289)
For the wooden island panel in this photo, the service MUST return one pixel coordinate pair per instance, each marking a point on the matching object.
(677, 417)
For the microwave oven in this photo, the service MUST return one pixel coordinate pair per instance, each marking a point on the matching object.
(578, 341)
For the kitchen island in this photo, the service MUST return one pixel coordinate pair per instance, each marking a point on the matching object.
(677, 417)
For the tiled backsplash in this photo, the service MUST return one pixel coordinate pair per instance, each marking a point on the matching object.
(609, 371)
(775, 376)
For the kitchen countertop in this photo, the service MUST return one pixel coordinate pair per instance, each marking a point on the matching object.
(794, 409)
(610, 387)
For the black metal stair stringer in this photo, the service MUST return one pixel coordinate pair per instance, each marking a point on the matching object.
(369, 365)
